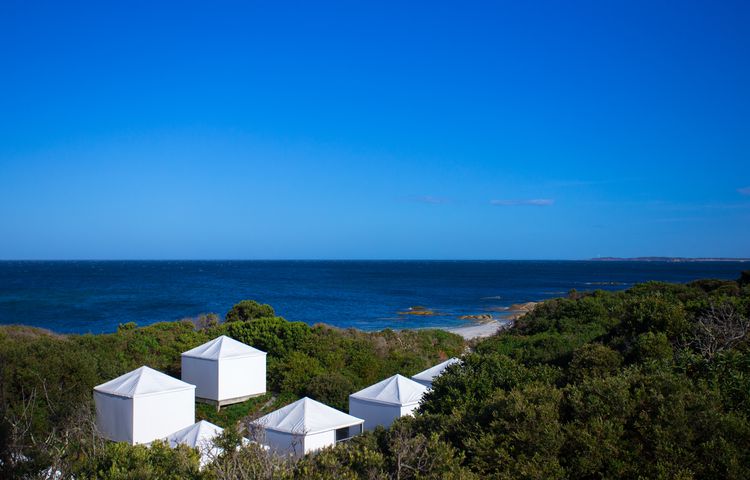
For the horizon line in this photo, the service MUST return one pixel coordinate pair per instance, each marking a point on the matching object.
(649, 258)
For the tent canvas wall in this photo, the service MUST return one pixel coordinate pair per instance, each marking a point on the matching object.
(143, 405)
(426, 377)
(384, 402)
(305, 426)
(225, 371)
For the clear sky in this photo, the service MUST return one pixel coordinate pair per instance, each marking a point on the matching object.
(497, 130)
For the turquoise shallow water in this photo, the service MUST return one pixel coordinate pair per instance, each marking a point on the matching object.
(95, 296)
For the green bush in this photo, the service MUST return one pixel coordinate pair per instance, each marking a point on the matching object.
(331, 388)
(273, 335)
(594, 360)
(249, 310)
(655, 313)
(120, 461)
(652, 347)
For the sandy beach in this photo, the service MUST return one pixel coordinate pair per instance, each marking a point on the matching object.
(486, 329)
(481, 330)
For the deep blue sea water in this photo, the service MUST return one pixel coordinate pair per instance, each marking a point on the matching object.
(96, 296)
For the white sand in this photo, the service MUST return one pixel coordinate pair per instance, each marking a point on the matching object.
(480, 330)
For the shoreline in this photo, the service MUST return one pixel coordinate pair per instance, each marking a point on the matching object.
(485, 329)
(480, 330)
(473, 331)
(94, 299)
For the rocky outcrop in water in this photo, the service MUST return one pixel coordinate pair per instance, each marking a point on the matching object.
(417, 310)
(523, 307)
(482, 317)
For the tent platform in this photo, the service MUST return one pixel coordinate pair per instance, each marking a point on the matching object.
(227, 401)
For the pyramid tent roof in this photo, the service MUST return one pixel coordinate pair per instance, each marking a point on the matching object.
(306, 416)
(142, 381)
(198, 435)
(432, 372)
(223, 347)
(395, 390)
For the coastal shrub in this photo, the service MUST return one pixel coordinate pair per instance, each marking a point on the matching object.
(670, 291)
(273, 335)
(43, 382)
(294, 372)
(47, 379)
(345, 350)
(594, 360)
(466, 385)
(353, 460)
(120, 461)
(331, 388)
(400, 452)
(599, 385)
(367, 357)
(655, 313)
(636, 403)
(652, 347)
(124, 327)
(564, 315)
(638, 424)
(541, 348)
(729, 372)
(717, 287)
(249, 310)
(521, 435)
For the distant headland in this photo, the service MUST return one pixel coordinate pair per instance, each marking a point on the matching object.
(669, 259)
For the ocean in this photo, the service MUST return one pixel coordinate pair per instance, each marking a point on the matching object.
(96, 296)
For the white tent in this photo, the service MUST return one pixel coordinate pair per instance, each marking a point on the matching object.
(143, 405)
(305, 426)
(426, 377)
(225, 371)
(384, 402)
(201, 436)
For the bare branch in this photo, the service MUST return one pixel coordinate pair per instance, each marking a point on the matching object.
(719, 328)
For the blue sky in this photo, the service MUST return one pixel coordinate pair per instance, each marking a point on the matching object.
(497, 130)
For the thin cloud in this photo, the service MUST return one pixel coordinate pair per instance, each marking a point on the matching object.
(679, 219)
(563, 183)
(430, 199)
(578, 183)
(533, 202)
(744, 191)
(675, 207)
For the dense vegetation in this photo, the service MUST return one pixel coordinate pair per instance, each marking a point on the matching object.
(46, 380)
(652, 382)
